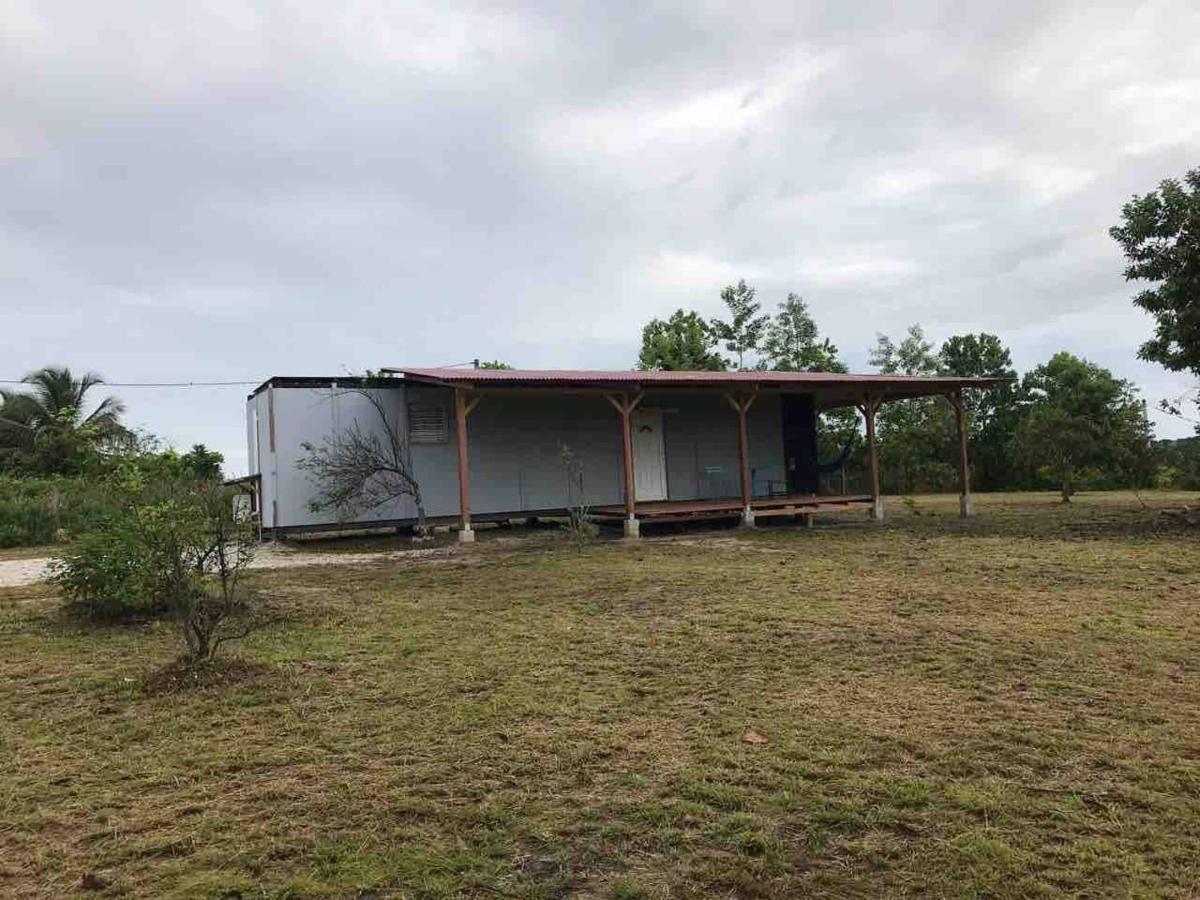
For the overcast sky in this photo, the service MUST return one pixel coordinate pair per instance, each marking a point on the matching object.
(210, 191)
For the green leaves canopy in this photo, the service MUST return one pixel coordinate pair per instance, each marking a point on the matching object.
(1160, 234)
(1082, 420)
(46, 427)
(682, 343)
(745, 327)
(793, 342)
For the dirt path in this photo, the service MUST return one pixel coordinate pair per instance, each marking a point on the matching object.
(17, 572)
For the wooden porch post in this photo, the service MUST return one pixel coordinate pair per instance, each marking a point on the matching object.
(966, 506)
(741, 406)
(625, 407)
(462, 409)
(868, 409)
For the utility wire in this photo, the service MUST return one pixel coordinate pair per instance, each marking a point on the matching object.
(151, 384)
(173, 384)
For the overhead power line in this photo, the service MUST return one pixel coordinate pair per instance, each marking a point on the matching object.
(152, 384)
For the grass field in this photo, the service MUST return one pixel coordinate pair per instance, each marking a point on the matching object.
(1003, 707)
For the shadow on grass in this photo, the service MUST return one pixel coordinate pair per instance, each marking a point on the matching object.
(190, 675)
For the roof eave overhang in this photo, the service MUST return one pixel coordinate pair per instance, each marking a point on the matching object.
(842, 390)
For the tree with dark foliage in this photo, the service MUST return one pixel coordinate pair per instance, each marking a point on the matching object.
(1083, 422)
(202, 463)
(992, 415)
(682, 343)
(793, 343)
(913, 434)
(1160, 234)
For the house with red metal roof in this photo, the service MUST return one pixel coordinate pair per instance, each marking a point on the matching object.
(643, 447)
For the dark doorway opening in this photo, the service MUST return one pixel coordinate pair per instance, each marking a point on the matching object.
(800, 443)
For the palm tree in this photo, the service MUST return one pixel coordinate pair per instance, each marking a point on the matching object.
(49, 419)
(58, 397)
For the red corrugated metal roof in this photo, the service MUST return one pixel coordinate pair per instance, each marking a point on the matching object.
(627, 377)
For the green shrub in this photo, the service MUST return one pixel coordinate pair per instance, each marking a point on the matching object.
(166, 545)
(130, 561)
(26, 524)
(109, 572)
(37, 511)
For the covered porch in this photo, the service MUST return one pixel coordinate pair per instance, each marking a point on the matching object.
(642, 498)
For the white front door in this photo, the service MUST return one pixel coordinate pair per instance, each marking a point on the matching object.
(649, 454)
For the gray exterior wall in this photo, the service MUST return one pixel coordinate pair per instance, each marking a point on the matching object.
(514, 446)
(701, 433)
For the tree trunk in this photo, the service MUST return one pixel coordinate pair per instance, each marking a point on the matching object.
(1066, 479)
(422, 529)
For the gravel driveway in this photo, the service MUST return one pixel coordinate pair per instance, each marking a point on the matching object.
(17, 572)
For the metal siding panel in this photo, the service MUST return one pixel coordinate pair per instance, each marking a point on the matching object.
(514, 451)
(308, 415)
(436, 465)
(764, 428)
(514, 445)
(252, 466)
(702, 447)
(266, 463)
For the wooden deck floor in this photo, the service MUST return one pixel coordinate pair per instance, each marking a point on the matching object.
(764, 507)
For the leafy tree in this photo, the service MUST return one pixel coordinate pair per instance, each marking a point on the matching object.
(494, 364)
(1083, 423)
(46, 427)
(976, 356)
(202, 463)
(684, 342)
(172, 545)
(1179, 464)
(992, 415)
(912, 356)
(793, 344)
(17, 431)
(745, 327)
(913, 434)
(1160, 235)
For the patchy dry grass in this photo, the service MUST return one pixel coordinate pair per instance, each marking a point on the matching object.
(1003, 707)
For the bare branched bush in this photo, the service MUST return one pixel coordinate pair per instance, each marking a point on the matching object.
(580, 526)
(357, 469)
(215, 607)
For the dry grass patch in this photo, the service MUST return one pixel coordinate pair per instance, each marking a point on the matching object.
(15, 553)
(1003, 707)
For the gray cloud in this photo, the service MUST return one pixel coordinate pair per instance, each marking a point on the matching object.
(223, 192)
